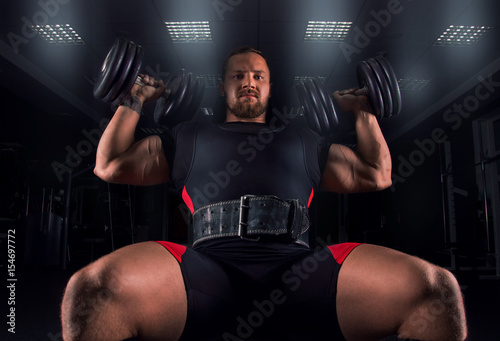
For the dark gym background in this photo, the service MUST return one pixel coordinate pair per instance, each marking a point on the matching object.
(444, 204)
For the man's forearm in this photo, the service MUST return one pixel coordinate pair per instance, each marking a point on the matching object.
(118, 136)
(372, 146)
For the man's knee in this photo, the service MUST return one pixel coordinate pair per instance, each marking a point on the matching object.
(448, 300)
(87, 292)
(439, 306)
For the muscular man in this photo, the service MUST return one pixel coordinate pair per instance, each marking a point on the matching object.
(253, 272)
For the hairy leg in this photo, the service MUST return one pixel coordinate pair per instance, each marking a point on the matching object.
(383, 292)
(134, 292)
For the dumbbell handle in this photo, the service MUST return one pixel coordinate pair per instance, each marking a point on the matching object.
(140, 82)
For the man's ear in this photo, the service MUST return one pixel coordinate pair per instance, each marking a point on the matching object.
(221, 88)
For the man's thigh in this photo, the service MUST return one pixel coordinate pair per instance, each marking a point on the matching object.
(378, 289)
(136, 290)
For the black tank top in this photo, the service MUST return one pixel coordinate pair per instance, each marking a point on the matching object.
(216, 162)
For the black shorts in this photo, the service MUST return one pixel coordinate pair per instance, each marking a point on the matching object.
(265, 290)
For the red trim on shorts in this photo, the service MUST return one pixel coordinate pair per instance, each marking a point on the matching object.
(341, 251)
(187, 200)
(310, 198)
(175, 249)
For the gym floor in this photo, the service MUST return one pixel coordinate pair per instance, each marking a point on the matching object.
(39, 291)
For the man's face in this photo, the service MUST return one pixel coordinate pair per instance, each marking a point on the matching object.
(247, 87)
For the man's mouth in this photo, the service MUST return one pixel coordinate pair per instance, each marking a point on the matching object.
(249, 95)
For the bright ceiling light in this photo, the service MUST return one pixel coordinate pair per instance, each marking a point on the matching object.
(327, 30)
(62, 34)
(410, 83)
(189, 31)
(211, 81)
(298, 79)
(461, 35)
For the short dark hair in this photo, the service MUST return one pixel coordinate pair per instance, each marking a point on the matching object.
(239, 50)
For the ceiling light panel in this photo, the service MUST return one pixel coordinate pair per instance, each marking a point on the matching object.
(59, 34)
(410, 83)
(211, 81)
(327, 30)
(297, 79)
(189, 31)
(461, 35)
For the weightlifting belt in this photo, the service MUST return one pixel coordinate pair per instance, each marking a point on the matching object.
(252, 217)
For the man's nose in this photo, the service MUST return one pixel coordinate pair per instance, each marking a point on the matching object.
(248, 83)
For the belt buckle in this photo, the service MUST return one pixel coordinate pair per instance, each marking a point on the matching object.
(243, 220)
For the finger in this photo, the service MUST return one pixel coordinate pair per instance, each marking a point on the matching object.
(152, 81)
(339, 93)
(157, 83)
(350, 91)
(343, 92)
(148, 80)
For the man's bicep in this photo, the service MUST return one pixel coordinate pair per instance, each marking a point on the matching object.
(344, 172)
(337, 174)
(153, 166)
(143, 164)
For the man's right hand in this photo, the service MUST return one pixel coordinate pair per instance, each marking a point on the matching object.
(150, 91)
(348, 100)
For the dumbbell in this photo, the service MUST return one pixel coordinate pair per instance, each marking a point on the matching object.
(120, 71)
(376, 80)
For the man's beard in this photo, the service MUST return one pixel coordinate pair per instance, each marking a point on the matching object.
(245, 109)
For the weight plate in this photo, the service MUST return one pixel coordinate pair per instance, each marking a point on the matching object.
(133, 73)
(160, 115)
(328, 103)
(367, 80)
(199, 97)
(110, 68)
(195, 101)
(383, 86)
(187, 114)
(311, 118)
(165, 111)
(393, 84)
(181, 95)
(160, 109)
(319, 109)
(182, 114)
(123, 73)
